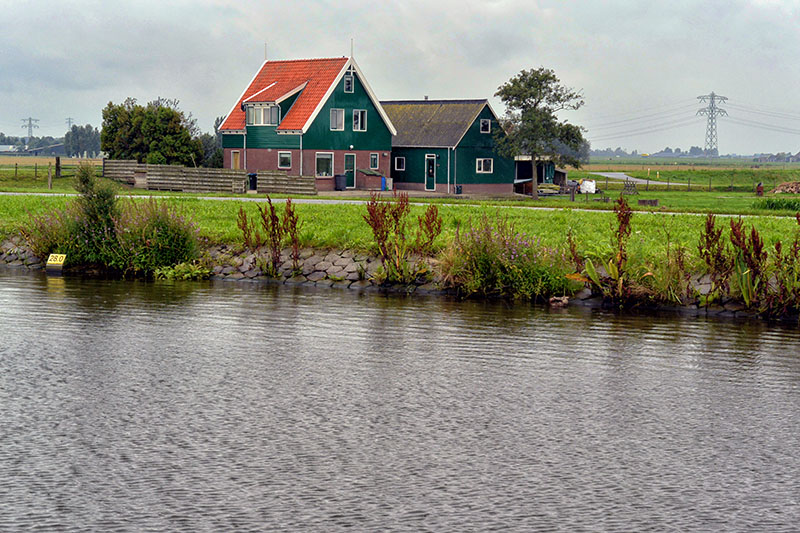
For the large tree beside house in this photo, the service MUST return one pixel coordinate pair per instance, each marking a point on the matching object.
(533, 99)
(310, 117)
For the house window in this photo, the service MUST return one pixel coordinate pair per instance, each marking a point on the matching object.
(373, 161)
(359, 120)
(324, 164)
(486, 125)
(285, 160)
(337, 119)
(399, 163)
(272, 115)
(348, 83)
(263, 116)
(483, 166)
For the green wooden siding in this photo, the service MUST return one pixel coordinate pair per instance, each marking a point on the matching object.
(476, 145)
(320, 137)
(230, 140)
(267, 137)
(415, 165)
(473, 145)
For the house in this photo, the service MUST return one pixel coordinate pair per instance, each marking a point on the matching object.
(310, 117)
(448, 146)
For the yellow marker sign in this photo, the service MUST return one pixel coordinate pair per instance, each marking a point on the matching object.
(56, 260)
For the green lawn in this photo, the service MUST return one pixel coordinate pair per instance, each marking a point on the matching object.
(342, 226)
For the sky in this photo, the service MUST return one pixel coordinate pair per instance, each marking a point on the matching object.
(640, 65)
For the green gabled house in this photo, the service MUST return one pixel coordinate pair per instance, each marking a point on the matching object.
(310, 117)
(447, 146)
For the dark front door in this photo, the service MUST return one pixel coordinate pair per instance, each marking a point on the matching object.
(350, 170)
(430, 172)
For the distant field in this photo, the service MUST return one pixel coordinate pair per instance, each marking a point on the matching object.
(663, 163)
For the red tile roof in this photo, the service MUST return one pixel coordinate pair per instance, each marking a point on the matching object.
(282, 77)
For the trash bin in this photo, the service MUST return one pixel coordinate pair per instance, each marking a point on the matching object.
(340, 182)
(383, 183)
(252, 181)
(458, 189)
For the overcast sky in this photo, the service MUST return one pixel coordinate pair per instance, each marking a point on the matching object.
(641, 65)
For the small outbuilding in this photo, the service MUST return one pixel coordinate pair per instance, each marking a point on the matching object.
(448, 146)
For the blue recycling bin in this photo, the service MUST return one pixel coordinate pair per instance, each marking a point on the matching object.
(383, 183)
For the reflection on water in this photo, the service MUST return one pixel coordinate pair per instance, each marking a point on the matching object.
(215, 407)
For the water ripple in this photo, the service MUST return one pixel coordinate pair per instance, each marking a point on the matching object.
(206, 407)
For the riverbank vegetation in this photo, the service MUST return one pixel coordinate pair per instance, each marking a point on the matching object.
(96, 229)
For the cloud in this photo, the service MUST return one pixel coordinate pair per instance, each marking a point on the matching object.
(626, 55)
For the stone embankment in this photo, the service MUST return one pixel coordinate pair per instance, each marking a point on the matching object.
(348, 269)
(340, 269)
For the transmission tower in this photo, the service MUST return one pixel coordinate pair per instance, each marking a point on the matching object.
(69, 121)
(712, 112)
(30, 125)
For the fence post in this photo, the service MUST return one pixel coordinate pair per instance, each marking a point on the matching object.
(16, 165)
(35, 171)
(58, 167)
(49, 175)
(689, 184)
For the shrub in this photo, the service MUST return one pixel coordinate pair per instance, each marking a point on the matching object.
(151, 235)
(778, 204)
(493, 259)
(388, 219)
(183, 272)
(718, 261)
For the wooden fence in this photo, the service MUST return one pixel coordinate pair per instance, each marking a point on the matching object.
(176, 178)
(277, 182)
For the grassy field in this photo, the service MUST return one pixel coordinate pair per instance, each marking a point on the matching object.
(342, 226)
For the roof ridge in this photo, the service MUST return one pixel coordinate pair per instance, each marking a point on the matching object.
(444, 100)
(306, 60)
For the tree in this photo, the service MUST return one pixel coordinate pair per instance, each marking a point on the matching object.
(156, 133)
(80, 139)
(532, 99)
(212, 146)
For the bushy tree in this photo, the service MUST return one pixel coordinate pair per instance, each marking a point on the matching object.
(80, 139)
(532, 99)
(159, 131)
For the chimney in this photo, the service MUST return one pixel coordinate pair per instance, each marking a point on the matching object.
(426, 97)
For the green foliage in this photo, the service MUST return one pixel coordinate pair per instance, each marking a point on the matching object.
(189, 271)
(133, 131)
(150, 235)
(82, 139)
(388, 221)
(136, 238)
(532, 99)
(494, 259)
(778, 204)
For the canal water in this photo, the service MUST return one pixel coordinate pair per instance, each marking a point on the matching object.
(133, 406)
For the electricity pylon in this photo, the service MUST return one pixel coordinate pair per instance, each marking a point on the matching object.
(30, 125)
(712, 112)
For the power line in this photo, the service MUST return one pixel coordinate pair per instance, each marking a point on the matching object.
(712, 112)
(625, 122)
(30, 125)
(764, 126)
(647, 130)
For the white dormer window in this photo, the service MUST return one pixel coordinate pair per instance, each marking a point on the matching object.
(263, 115)
(348, 83)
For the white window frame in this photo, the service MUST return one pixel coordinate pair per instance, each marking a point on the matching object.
(362, 124)
(316, 164)
(282, 154)
(351, 79)
(377, 161)
(487, 121)
(397, 161)
(337, 110)
(249, 113)
(480, 165)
